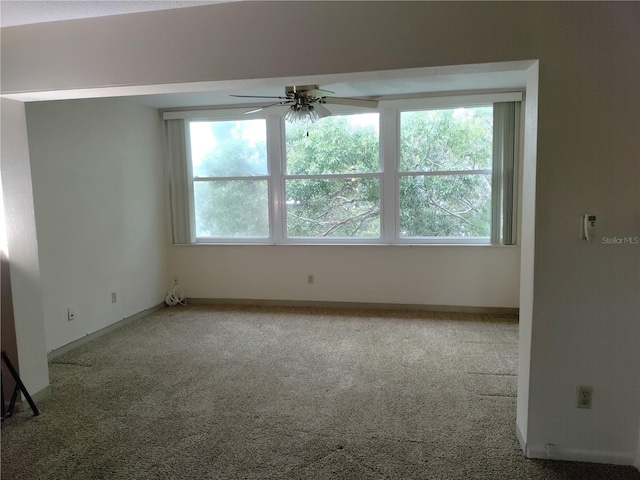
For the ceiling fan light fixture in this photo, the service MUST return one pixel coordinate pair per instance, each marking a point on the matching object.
(301, 113)
(306, 103)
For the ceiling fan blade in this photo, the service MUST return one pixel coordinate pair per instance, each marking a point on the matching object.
(353, 102)
(258, 96)
(259, 109)
(317, 93)
(321, 111)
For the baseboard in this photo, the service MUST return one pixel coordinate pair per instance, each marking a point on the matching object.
(92, 336)
(37, 397)
(354, 305)
(521, 440)
(578, 455)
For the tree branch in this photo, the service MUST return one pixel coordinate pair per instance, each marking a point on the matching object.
(363, 216)
(457, 215)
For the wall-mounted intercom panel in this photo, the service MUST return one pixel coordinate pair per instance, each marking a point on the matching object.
(588, 226)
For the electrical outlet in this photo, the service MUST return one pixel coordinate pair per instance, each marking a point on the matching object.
(585, 396)
(71, 314)
(310, 280)
(114, 297)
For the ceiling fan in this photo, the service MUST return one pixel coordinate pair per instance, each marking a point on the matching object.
(306, 103)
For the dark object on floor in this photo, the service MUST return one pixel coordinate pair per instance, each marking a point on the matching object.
(19, 388)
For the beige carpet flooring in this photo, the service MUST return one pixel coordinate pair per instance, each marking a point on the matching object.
(281, 393)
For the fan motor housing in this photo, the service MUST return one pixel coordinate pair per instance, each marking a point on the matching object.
(299, 89)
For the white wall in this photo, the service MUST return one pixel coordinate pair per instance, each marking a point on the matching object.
(586, 302)
(424, 275)
(527, 278)
(22, 249)
(100, 212)
(585, 305)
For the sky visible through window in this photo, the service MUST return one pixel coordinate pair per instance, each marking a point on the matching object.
(203, 140)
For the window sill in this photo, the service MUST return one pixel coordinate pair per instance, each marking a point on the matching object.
(338, 244)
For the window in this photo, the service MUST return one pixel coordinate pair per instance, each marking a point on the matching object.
(445, 172)
(413, 171)
(333, 179)
(230, 176)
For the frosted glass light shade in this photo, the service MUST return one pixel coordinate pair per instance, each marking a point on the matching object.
(301, 114)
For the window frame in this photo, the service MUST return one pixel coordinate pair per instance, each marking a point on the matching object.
(389, 111)
(337, 110)
(226, 115)
(436, 173)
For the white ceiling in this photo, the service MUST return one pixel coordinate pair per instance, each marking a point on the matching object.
(368, 85)
(23, 12)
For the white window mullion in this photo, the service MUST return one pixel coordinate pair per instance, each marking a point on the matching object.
(275, 154)
(390, 152)
(230, 179)
(443, 173)
(333, 175)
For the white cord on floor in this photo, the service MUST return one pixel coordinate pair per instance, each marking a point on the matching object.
(176, 296)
